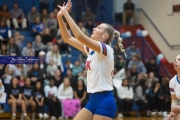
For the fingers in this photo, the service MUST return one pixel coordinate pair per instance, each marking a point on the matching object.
(64, 4)
(59, 6)
(69, 7)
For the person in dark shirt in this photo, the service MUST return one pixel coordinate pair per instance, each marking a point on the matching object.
(5, 32)
(28, 92)
(39, 99)
(152, 66)
(155, 97)
(35, 74)
(15, 99)
(166, 101)
(80, 92)
(58, 78)
(129, 12)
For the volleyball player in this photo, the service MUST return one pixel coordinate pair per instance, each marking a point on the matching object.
(99, 65)
(174, 85)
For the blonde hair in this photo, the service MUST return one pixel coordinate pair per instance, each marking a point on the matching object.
(112, 34)
(117, 34)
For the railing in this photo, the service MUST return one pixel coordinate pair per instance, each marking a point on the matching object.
(146, 52)
(165, 40)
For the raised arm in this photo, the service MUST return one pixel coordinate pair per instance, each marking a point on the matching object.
(94, 45)
(66, 35)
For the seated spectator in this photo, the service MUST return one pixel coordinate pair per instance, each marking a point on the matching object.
(68, 65)
(38, 45)
(118, 103)
(141, 76)
(81, 26)
(5, 32)
(125, 92)
(5, 14)
(44, 16)
(42, 63)
(51, 68)
(39, 98)
(12, 48)
(18, 17)
(35, 74)
(151, 66)
(37, 27)
(129, 13)
(119, 65)
(117, 50)
(32, 15)
(26, 49)
(151, 79)
(51, 100)
(166, 103)
(82, 58)
(80, 93)
(65, 95)
(18, 38)
(28, 92)
(88, 16)
(136, 60)
(132, 50)
(7, 78)
(73, 79)
(47, 39)
(15, 99)
(133, 76)
(21, 80)
(2, 71)
(56, 56)
(65, 90)
(18, 70)
(155, 97)
(3, 50)
(140, 96)
(77, 69)
(28, 67)
(51, 23)
(83, 76)
(58, 78)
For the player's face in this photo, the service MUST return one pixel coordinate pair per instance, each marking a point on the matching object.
(98, 32)
(177, 63)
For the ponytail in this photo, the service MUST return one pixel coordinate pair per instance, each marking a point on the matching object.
(117, 34)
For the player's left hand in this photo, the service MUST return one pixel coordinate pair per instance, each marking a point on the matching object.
(170, 116)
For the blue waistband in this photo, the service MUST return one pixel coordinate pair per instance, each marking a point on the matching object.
(98, 94)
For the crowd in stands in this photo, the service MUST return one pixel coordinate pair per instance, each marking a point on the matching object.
(50, 80)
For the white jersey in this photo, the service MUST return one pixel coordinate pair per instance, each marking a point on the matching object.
(174, 86)
(99, 69)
